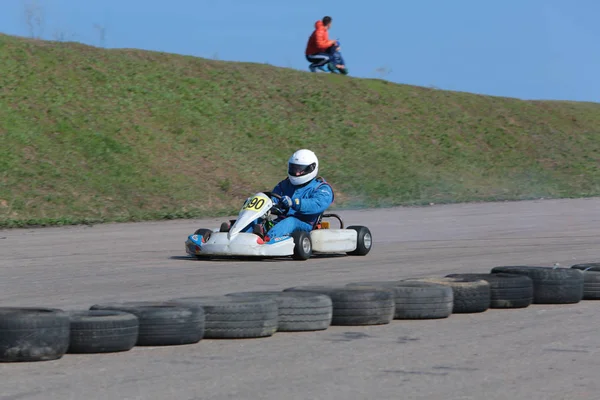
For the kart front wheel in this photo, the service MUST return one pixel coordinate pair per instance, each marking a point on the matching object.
(226, 226)
(364, 241)
(302, 245)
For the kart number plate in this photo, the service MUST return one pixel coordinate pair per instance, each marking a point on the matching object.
(255, 203)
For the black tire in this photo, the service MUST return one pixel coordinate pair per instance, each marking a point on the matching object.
(591, 280)
(102, 331)
(302, 245)
(587, 267)
(506, 290)
(550, 285)
(470, 295)
(417, 300)
(355, 306)
(162, 324)
(33, 334)
(235, 318)
(364, 241)
(298, 311)
(204, 233)
(591, 285)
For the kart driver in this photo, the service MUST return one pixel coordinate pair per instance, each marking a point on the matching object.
(305, 195)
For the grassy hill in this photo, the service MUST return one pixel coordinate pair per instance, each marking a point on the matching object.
(103, 135)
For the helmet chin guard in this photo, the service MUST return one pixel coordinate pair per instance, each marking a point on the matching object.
(303, 166)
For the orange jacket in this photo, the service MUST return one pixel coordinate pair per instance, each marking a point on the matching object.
(319, 40)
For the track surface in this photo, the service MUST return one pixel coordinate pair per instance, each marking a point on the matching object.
(542, 352)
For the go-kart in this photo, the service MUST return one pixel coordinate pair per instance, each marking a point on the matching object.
(230, 239)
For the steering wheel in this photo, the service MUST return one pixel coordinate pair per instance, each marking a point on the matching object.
(276, 209)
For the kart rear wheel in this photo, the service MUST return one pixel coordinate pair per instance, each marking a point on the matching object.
(205, 233)
(364, 241)
(302, 245)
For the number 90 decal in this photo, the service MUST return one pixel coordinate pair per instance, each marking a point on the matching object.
(255, 204)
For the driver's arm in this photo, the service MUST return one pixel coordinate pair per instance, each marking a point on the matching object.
(316, 204)
(277, 190)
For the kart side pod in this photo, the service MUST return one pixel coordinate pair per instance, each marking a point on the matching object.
(333, 240)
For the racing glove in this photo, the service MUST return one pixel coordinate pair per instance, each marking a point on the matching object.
(286, 201)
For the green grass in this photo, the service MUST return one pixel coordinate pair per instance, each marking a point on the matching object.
(91, 135)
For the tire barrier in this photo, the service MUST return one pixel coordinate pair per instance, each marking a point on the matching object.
(43, 334)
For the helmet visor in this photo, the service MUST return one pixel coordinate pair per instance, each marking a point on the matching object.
(299, 170)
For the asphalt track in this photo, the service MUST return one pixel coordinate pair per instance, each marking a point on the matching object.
(541, 352)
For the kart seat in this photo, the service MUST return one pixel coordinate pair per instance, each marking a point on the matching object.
(319, 222)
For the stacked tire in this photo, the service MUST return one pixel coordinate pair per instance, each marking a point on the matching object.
(102, 331)
(591, 280)
(297, 311)
(33, 334)
(550, 285)
(354, 306)
(471, 295)
(506, 290)
(161, 324)
(228, 317)
(416, 300)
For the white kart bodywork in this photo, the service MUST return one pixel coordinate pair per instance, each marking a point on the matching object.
(244, 244)
(238, 243)
(255, 207)
(333, 240)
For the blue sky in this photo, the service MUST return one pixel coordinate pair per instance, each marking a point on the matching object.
(531, 49)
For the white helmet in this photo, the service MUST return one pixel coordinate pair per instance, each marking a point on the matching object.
(303, 167)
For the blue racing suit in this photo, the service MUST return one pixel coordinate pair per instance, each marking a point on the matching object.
(308, 203)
